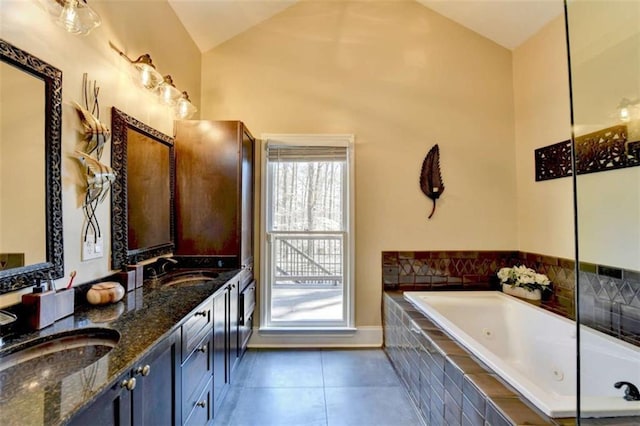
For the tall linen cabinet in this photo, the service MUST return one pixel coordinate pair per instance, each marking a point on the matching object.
(214, 193)
(214, 223)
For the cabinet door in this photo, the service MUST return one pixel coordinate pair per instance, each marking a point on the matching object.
(157, 393)
(246, 200)
(207, 188)
(246, 307)
(232, 330)
(219, 346)
(112, 408)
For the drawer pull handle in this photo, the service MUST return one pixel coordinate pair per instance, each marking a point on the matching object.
(201, 314)
(202, 349)
(129, 384)
(145, 370)
(202, 404)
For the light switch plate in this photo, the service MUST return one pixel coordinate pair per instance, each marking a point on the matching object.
(92, 248)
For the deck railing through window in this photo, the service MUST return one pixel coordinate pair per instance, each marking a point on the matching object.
(308, 261)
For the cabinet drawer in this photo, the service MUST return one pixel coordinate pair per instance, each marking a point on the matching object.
(247, 301)
(198, 323)
(201, 407)
(245, 331)
(196, 371)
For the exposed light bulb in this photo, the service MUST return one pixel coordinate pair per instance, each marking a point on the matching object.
(184, 109)
(75, 16)
(167, 91)
(69, 16)
(145, 77)
(166, 95)
(624, 114)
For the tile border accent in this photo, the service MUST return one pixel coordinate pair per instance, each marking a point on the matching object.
(609, 296)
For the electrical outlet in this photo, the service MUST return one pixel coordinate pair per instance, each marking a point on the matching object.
(92, 249)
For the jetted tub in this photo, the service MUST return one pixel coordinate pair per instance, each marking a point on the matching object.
(535, 351)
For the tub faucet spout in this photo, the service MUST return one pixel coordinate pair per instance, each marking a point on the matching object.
(631, 393)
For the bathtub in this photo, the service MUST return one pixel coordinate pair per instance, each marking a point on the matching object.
(535, 351)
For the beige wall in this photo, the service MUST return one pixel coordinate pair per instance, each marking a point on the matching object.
(401, 78)
(137, 27)
(542, 117)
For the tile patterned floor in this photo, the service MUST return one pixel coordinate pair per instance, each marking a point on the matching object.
(317, 387)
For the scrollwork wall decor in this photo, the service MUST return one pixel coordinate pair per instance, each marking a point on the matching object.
(606, 149)
(553, 161)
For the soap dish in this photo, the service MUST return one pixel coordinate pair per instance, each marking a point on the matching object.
(105, 292)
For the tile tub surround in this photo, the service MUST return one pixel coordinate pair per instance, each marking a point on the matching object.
(143, 318)
(447, 384)
(609, 297)
(610, 301)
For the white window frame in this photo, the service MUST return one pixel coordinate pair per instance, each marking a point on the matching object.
(337, 140)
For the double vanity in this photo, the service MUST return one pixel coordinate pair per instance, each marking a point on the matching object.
(165, 354)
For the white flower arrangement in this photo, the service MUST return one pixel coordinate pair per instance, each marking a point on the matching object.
(521, 276)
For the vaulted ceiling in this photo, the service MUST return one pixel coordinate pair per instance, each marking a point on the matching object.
(506, 22)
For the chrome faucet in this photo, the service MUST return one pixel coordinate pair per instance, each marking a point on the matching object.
(165, 262)
(150, 272)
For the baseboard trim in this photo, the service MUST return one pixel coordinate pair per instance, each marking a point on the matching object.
(362, 337)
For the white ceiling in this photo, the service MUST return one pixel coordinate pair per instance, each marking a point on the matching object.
(507, 22)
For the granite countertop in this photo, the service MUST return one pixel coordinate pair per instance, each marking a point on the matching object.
(143, 318)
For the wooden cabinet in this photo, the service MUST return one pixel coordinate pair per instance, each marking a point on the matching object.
(113, 407)
(197, 371)
(214, 192)
(147, 395)
(156, 397)
(185, 377)
(232, 324)
(246, 307)
(219, 347)
(226, 338)
(195, 327)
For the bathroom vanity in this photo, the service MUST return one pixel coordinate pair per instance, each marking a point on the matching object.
(173, 363)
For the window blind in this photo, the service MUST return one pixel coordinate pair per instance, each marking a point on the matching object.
(290, 153)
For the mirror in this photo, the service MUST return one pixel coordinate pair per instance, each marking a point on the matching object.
(30, 158)
(143, 193)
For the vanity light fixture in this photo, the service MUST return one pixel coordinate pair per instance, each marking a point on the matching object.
(184, 109)
(624, 109)
(168, 92)
(142, 69)
(146, 74)
(75, 16)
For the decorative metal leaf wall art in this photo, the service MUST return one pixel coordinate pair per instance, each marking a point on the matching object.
(430, 178)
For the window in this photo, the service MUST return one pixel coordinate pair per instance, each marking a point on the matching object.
(307, 241)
